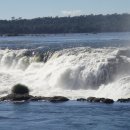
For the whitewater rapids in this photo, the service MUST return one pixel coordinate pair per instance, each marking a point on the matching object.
(74, 73)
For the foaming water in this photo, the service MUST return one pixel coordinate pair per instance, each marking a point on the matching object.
(76, 72)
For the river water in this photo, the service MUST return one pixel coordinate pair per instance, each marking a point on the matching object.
(71, 65)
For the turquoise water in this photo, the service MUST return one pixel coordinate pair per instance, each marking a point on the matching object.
(70, 115)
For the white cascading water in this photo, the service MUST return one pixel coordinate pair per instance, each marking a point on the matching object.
(77, 72)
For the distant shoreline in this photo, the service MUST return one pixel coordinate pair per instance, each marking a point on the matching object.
(63, 25)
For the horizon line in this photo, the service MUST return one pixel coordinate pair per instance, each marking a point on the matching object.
(56, 16)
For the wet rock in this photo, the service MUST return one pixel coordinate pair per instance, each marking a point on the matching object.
(39, 98)
(96, 100)
(81, 99)
(16, 97)
(50, 99)
(100, 100)
(26, 97)
(20, 89)
(124, 100)
(21, 93)
(57, 99)
(107, 100)
(90, 99)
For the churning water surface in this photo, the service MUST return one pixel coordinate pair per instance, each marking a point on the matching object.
(71, 65)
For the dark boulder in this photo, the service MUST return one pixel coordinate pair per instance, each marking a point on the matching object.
(96, 100)
(26, 97)
(124, 100)
(57, 99)
(107, 100)
(90, 99)
(20, 90)
(54, 99)
(39, 98)
(81, 99)
(16, 97)
(21, 93)
(100, 100)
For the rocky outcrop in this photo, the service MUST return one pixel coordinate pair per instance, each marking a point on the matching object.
(20, 92)
(124, 100)
(97, 100)
(26, 97)
(16, 97)
(100, 100)
(39, 98)
(56, 99)
(81, 99)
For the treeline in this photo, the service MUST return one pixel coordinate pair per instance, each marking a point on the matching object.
(76, 24)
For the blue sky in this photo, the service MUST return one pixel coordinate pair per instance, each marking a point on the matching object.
(41, 8)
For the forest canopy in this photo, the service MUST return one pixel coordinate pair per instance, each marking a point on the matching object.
(76, 24)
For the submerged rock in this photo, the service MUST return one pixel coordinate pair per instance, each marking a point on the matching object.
(124, 100)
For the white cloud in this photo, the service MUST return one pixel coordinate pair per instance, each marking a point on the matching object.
(71, 12)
